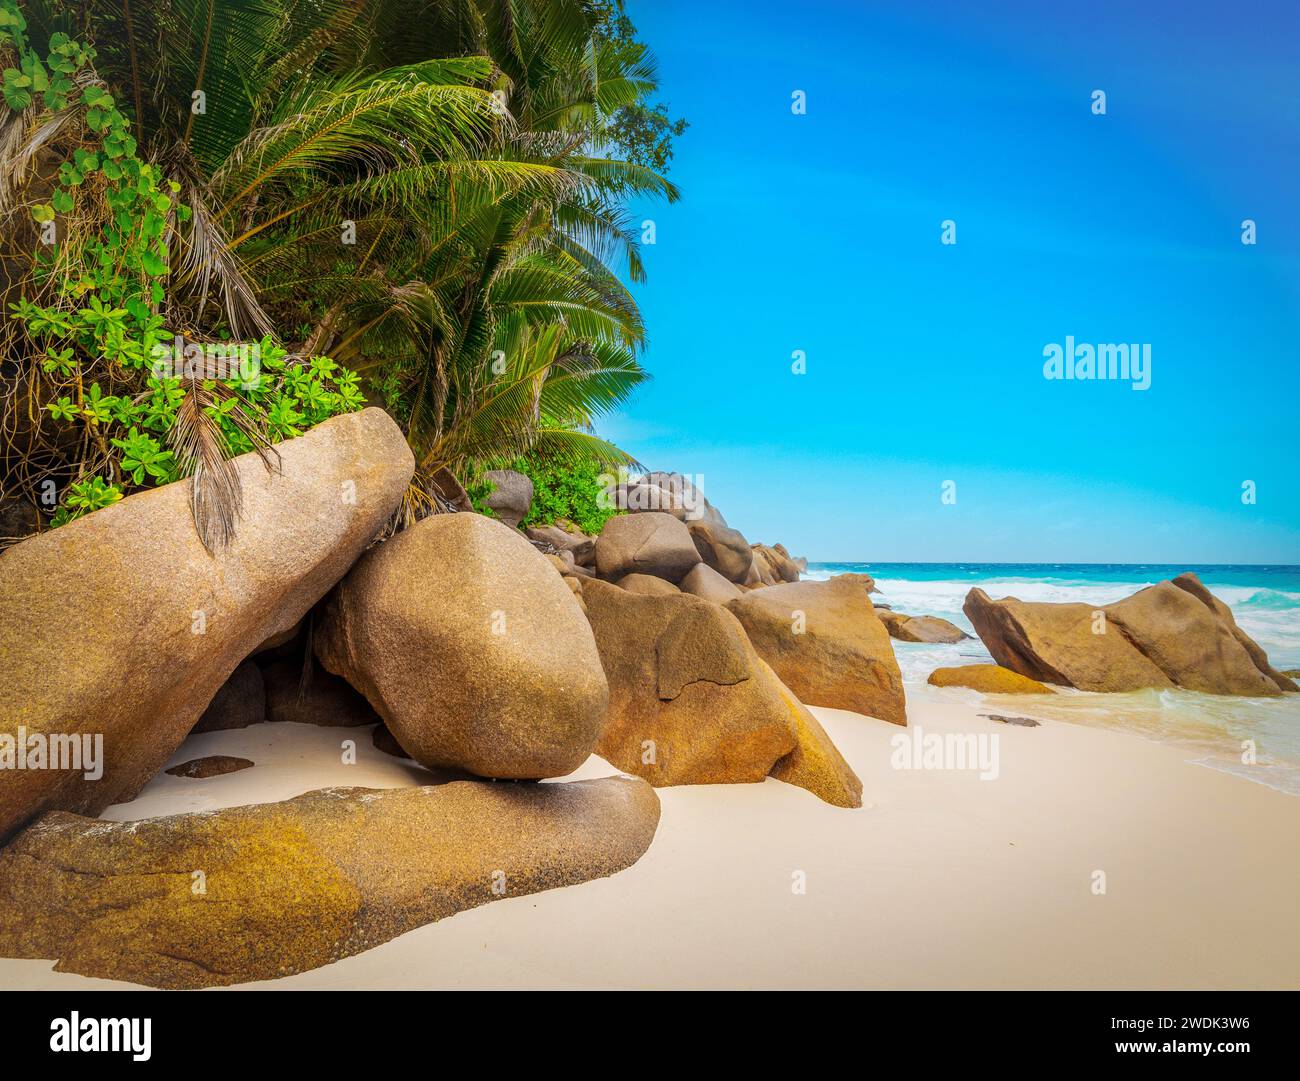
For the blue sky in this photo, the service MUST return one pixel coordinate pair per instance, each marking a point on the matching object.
(821, 233)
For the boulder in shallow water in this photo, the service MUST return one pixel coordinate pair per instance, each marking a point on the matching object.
(987, 679)
(1055, 643)
(825, 642)
(1193, 585)
(291, 886)
(121, 624)
(921, 628)
(1172, 634)
(471, 648)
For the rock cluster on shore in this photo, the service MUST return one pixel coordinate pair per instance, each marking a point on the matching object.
(122, 624)
(692, 702)
(464, 646)
(484, 652)
(1172, 634)
(827, 644)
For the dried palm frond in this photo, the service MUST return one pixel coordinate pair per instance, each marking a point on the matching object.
(18, 149)
(205, 255)
(438, 492)
(199, 447)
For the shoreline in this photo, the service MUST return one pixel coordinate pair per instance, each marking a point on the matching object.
(940, 880)
(1265, 600)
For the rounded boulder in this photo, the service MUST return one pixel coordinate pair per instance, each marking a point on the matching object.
(471, 648)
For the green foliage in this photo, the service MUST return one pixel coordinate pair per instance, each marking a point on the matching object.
(437, 196)
(563, 490)
(88, 309)
(643, 132)
(100, 286)
(478, 490)
(566, 490)
(85, 496)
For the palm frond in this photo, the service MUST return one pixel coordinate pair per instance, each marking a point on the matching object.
(198, 446)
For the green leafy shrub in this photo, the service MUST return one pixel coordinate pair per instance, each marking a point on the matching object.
(563, 490)
(87, 306)
(566, 490)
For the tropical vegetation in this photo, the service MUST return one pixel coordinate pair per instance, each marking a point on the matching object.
(572, 492)
(426, 206)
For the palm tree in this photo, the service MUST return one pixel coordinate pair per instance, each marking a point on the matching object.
(427, 194)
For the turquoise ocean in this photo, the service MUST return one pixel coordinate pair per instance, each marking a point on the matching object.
(1265, 601)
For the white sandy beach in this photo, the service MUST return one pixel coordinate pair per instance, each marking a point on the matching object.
(940, 880)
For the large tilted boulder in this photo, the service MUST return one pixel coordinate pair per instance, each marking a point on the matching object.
(122, 624)
(650, 543)
(1172, 634)
(1055, 643)
(692, 703)
(825, 642)
(471, 648)
(920, 628)
(287, 887)
(511, 495)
